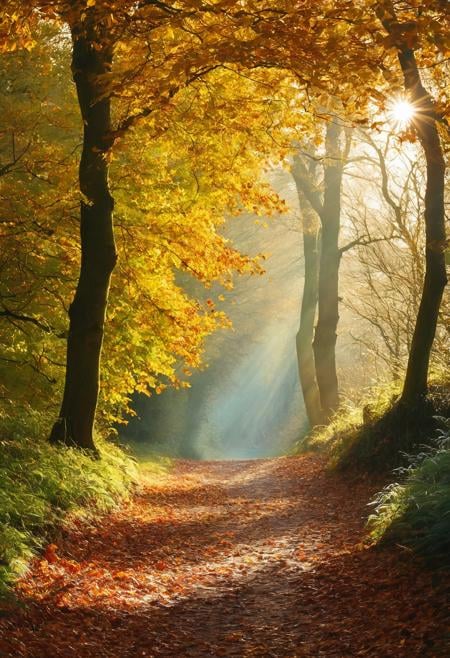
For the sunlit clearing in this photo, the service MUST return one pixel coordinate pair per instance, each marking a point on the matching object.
(401, 113)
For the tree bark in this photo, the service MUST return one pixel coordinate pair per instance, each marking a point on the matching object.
(328, 317)
(304, 338)
(416, 379)
(90, 59)
(311, 245)
(424, 121)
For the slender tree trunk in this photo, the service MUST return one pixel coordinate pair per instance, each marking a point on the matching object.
(304, 338)
(424, 120)
(305, 334)
(325, 335)
(416, 380)
(98, 254)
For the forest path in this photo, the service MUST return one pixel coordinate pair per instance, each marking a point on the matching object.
(252, 558)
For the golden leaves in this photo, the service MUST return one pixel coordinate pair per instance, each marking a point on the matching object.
(267, 551)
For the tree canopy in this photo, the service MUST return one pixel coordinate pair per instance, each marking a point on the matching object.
(183, 106)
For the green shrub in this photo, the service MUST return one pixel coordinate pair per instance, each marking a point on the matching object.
(416, 511)
(40, 483)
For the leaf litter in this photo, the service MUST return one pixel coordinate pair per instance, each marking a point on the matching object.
(240, 558)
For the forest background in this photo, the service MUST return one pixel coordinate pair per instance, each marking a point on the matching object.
(196, 120)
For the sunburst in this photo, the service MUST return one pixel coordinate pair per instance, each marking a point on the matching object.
(401, 113)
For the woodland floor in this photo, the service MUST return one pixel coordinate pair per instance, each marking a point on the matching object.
(252, 558)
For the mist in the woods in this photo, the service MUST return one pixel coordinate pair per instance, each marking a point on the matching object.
(248, 391)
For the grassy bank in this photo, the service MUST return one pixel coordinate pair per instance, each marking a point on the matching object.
(351, 427)
(410, 450)
(415, 510)
(376, 434)
(40, 485)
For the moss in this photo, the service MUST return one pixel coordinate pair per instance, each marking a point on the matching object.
(374, 435)
(349, 424)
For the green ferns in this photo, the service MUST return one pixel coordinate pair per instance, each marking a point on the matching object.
(416, 512)
(39, 484)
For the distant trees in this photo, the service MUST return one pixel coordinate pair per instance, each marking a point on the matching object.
(383, 200)
(322, 260)
(388, 272)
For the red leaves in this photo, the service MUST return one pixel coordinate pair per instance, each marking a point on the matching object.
(50, 554)
(256, 558)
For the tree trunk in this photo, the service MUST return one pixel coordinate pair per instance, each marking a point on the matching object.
(98, 254)
(311, 243)
(416, 380)
(325, 335)
(304, 338)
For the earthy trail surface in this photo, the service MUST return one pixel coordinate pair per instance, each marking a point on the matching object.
(253, 558)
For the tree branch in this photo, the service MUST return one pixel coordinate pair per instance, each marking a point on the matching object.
(12, 315)
(364, 241)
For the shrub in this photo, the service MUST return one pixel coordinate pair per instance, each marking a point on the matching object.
(416, 510)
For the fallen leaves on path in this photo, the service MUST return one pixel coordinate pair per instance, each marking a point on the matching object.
(254, 558)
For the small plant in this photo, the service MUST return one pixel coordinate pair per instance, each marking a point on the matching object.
(416, 510)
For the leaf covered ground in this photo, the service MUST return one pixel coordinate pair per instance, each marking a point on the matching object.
(253, 558)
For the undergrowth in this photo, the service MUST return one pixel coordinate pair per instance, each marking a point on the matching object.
(348, 425)
(376, 436)
(40, 484)
(415, 510)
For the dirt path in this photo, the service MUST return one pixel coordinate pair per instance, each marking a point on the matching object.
(254, 558)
